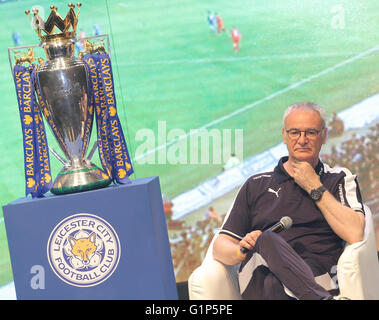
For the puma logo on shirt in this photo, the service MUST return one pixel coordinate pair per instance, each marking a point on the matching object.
(275, 192)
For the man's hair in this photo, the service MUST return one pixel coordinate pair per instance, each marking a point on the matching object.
(308, 106)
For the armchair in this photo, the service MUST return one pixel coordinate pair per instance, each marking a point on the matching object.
(357, 272)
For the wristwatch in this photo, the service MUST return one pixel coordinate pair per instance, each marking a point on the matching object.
(316, 194)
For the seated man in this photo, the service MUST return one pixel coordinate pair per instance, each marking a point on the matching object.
(324, 204)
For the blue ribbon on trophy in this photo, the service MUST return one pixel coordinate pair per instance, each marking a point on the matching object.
(112, 146)
(36, 157)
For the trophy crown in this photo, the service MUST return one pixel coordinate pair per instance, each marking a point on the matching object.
(55, 21)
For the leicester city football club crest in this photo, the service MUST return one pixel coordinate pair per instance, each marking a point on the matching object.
(83, 250)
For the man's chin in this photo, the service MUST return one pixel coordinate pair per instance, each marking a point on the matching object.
(303, 156)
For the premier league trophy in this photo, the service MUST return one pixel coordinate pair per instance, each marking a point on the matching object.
(70, 91)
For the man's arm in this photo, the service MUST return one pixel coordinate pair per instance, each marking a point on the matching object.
(345, 222)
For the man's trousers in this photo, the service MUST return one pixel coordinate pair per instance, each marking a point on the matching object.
(283, 267)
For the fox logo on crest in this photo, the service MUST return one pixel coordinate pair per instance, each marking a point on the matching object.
(84, 251)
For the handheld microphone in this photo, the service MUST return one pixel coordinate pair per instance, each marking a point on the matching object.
(284, 224)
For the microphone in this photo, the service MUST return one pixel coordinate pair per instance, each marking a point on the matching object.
(284, 224)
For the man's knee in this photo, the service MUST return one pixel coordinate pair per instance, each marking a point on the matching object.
(268, 240)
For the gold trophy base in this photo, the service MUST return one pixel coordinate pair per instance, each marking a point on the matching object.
(71, 180)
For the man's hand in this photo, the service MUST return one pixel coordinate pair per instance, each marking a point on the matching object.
(344, 221)
(249, 240)
(305, 176)
(227, 249)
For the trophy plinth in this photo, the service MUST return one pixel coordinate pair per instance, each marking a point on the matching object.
(65, 102)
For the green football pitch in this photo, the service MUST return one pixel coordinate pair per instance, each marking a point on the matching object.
(168, 66)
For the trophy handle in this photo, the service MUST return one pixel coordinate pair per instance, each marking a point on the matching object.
(19, 55)
(93, 47)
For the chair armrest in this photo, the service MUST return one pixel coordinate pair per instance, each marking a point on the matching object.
(214, 281)
(358, 271)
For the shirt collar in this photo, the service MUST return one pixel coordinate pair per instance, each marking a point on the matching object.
(281, 174)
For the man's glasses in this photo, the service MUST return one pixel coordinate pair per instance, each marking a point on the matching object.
(309, 133)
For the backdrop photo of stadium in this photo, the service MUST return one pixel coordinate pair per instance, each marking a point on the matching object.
(201, 88)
